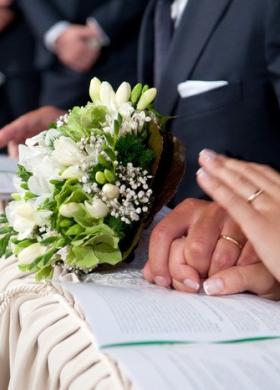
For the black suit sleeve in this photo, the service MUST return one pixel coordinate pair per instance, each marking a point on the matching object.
(117, 16)
(273, 44)
(40, 14)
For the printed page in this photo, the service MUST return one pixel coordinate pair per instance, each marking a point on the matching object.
(213, 367)
(119, 315)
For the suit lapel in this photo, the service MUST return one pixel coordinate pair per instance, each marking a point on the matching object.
(146, 46)
(198, 22)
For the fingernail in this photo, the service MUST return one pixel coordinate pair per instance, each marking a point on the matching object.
(213, 286)
(161, 281)
(202, 174)
(208, 155)
(191, 284)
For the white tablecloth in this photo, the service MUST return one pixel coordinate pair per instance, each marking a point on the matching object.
(45, 341)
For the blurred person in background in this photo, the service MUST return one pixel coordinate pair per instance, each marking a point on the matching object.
(79, 39)
(19, 79)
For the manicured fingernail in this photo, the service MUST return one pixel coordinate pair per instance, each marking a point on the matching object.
(161, 281)
(191, 284)
(202, 174)
(207, 155)
(213, 286)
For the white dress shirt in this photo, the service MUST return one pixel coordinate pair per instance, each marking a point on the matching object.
(177, 10)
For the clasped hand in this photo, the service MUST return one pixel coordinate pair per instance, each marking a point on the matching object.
(187, 248)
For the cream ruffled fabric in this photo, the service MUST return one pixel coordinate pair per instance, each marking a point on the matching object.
(45, 342)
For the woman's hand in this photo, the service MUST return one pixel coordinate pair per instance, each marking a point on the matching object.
(250, 193)
(186, 246)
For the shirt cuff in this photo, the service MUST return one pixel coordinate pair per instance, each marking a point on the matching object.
(102, 38)
(53, 33)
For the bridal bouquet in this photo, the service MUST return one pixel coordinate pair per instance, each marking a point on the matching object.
(88, 186)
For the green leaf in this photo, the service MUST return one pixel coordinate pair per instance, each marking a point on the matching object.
(107, 254)
(23, 173)
(83, 257)
(44, 273)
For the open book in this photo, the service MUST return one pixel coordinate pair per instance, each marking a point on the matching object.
(167, 340)
(7, 172)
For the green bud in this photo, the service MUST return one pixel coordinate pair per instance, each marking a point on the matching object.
(102, 160)
(145, 88)
(109, 175)
(146, 99)
(136, 93)
(100, 178)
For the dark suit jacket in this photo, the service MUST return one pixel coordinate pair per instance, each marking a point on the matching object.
(233, 40)
(20, 91)
(120, 19)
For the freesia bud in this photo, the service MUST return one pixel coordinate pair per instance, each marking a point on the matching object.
(107, 93)
(68, 210)
(94, 89)
(123, 93)
(146, 99)
(97, 209)
(136, 93)
(31, 253)
(72, 172)
(110, 191)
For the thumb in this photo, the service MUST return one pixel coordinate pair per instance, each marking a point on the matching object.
(254, 278)
(87, 32)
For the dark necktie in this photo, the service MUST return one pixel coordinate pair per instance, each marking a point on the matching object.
(163, 35)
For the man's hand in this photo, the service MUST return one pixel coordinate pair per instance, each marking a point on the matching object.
(74, 47)
(27, 126)
(186, 246)
(7, 16)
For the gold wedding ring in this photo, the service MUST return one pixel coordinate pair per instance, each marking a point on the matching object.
(232, 240)
(254, 195)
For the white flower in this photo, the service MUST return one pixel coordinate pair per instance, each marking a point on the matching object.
(23, 217)
(110, 191)
(94, 90)
(51, 135)
(38, 185)
(36, 140)
(97, 209)
(68, 210)
(73, 172)
(123, 93)
(146, 99)
(66, 152)
(107, 94)
(31, 253)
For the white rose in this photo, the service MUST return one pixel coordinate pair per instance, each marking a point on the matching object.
(66, 152)
(31, 253)
(97, 209)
